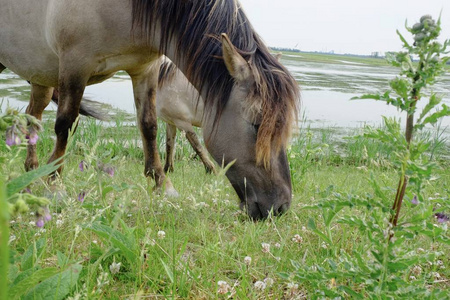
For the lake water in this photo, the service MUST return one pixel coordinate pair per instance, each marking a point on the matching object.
(326, 92)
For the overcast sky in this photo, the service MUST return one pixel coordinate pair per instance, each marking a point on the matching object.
(345, 26)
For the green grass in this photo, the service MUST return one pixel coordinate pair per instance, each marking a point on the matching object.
(334, 58)
(206, 236)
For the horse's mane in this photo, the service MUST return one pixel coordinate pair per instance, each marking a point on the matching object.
(167, 72)
(196, 26)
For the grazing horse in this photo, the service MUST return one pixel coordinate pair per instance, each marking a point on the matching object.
(178, 104)
(251, 100)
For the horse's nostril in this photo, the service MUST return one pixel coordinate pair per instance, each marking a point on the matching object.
(282, 209)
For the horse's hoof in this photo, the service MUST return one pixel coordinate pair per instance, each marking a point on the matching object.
(172, 193)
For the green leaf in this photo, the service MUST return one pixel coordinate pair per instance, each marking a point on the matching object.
(32, 254)
(62, 259)
(28, 282)
(405, 43)
(106, 190)
(56, 287)
(433, 101)
(168, 271)
(433, 118)
(19, 183)
(312, 226)
(119, 240)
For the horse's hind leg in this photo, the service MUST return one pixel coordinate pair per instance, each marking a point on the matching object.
(144, 89)
(200, 150)
(39, 99)
(171, 133)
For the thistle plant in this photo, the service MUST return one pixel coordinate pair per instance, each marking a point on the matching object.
(408, 87)
(383, 264)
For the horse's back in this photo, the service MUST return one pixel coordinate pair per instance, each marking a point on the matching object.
(178, 103)
(24, 48)
(92, 36)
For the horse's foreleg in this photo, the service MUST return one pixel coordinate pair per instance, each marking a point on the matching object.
(201, 151)
(71, 88)
(171, 133)
(39, 99)
(2, 67)
(144, 88)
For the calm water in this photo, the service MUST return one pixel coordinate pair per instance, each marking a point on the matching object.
(326, 92)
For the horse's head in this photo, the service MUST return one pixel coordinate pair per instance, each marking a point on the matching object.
(252, 131)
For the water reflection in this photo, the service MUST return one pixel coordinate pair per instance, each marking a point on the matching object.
(326, 92)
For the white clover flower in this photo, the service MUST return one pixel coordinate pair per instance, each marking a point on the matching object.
(260, 285)
(436, 275)
(297, 239)
(324, 245)
(412, 277)
(114, 268)
(293, 287)
(417, 270)
(277, 245)
(161, 234)
(268, 281)
(223, 287)
(265, 247)
(59, 223)
(248, 260)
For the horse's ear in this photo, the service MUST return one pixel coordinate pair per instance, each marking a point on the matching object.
(238, 68)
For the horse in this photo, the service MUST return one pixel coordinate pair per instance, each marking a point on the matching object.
(178, 105)
(251, 100)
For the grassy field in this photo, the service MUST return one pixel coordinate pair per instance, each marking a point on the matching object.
(124, 242)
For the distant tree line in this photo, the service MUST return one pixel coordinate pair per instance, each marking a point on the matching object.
(284, 49)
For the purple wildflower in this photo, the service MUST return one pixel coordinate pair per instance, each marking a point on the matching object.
(81, 196)
(82, 166)
(40, 223)
(11, 136)
(109, 170)
(414, 200)
(47, 215)
(441, 217)
(33, 136)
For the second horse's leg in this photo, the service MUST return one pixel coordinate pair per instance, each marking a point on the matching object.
(201, 151)
(145, 83)
(171, 133)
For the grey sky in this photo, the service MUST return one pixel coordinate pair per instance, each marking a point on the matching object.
(345, 26)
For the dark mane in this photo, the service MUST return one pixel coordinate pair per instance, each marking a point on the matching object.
(196, 26)
(167, 71)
